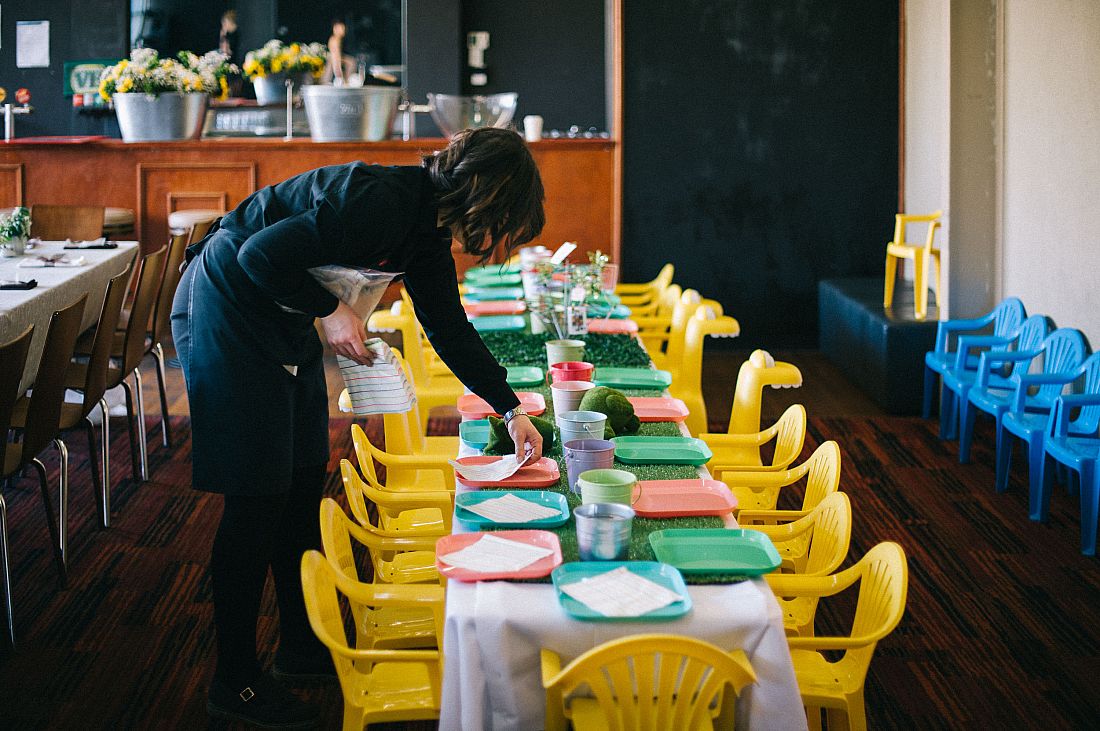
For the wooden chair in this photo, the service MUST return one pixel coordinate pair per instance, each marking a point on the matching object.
(161, 324)
(13, 360)
(43, 415)
(57, 223)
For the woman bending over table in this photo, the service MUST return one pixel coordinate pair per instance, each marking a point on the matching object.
(243, 327)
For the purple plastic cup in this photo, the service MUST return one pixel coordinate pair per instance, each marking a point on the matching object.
(582, 455)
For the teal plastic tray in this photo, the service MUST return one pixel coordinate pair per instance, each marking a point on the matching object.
(499, 323)
(474, 434)
(632, 378)
(716, 551)
(615, 312)
(662, 450)
(478, 522)
(494, 280)
(492, 270)
(487, 294)
(520, 376)
(659, 573)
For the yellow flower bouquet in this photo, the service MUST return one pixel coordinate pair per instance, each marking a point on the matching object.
(277, 57)
(145, 72)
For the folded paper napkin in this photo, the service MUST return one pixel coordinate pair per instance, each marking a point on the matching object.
(490, 554)
(53, 260)
(511, 509)
(621, 593)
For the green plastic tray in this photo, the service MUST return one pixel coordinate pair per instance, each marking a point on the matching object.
(499, 323)
(615, 312)
(490, 271)
(520, 376)
(632, 378)
(659, 573)
(715, 551)
(494, 280)
(478, 522)
(486, 294)
(474, 434)
(662, 450)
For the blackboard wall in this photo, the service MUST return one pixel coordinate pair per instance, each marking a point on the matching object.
(760, 151)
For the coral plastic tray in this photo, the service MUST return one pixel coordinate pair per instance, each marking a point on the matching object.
(661, 450)
(554, 500)
(658, 573)
(716, 551)
(682, 498)
(499, 307)
(543, 473)
(457, 541)
(472, 406)
(602, 326)
(662, 408)
(632, 378)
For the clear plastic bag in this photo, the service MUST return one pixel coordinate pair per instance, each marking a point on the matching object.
(358, 287)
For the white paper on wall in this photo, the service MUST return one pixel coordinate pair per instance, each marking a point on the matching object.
(32, 44)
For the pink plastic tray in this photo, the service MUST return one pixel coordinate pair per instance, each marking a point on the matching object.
(472, 406)
(607, 326)
(680, 498)
(543, 473)
(500, 307)
(540, 568)
(658, 408)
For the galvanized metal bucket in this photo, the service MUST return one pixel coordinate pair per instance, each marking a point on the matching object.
(271, 89)
(351, 114)
(160, 117)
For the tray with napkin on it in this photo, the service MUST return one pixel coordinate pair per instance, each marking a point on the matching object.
(52, 260)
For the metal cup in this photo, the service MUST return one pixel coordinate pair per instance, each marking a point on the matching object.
(603, 531)
(582, 455)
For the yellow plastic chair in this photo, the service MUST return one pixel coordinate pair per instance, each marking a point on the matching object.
(687, 375)
(740, 450)
(837, 687)
(393, 627)
(652, 681)
(423, 513)
(815, 545)
(663, 336)
(757, 490)
(898, 249)
(404, 472)
(378, 685)
(396, 558)
(653, 330)
(432, 389)
(645, 294)
(760, 370)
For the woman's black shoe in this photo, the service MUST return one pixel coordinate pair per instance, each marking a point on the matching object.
(264, 703)
(312, 669)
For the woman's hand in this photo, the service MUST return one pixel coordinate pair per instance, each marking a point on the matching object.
(345, 333)
(526, 437)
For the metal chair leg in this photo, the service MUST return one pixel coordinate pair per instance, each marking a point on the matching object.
(7, 568)
(143, 447)
(93, 459)
(135, 461)
(63, 498)
(105, 452)
(51, 524)
(165, 428)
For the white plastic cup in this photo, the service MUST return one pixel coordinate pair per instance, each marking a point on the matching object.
(532, 128)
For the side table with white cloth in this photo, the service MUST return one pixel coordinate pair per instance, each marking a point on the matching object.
(495, 631)
(58, 286)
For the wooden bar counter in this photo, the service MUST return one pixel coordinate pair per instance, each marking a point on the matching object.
(156, 178)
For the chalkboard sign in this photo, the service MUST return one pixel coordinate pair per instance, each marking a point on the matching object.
(760, 151)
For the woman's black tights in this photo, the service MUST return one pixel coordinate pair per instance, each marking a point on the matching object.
(257, 532)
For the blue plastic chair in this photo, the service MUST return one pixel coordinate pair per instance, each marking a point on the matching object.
(1078, 453)
(1031, 428)
(1006, 319)
(958, 381)
(1062, 352)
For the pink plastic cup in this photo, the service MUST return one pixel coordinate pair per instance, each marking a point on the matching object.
(571, 370)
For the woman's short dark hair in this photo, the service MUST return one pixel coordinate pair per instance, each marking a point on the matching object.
(490, 191)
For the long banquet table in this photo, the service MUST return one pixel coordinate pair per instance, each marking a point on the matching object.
(495, 630)
(57, 287)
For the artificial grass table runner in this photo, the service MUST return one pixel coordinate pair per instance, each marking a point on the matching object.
(514, 349)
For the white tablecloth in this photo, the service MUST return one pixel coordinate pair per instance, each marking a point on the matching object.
(495, 631)
(57, 288)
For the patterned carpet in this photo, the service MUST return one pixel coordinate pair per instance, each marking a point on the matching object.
(1000, 629)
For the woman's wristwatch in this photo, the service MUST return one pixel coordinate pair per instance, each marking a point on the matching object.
(513, 413)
